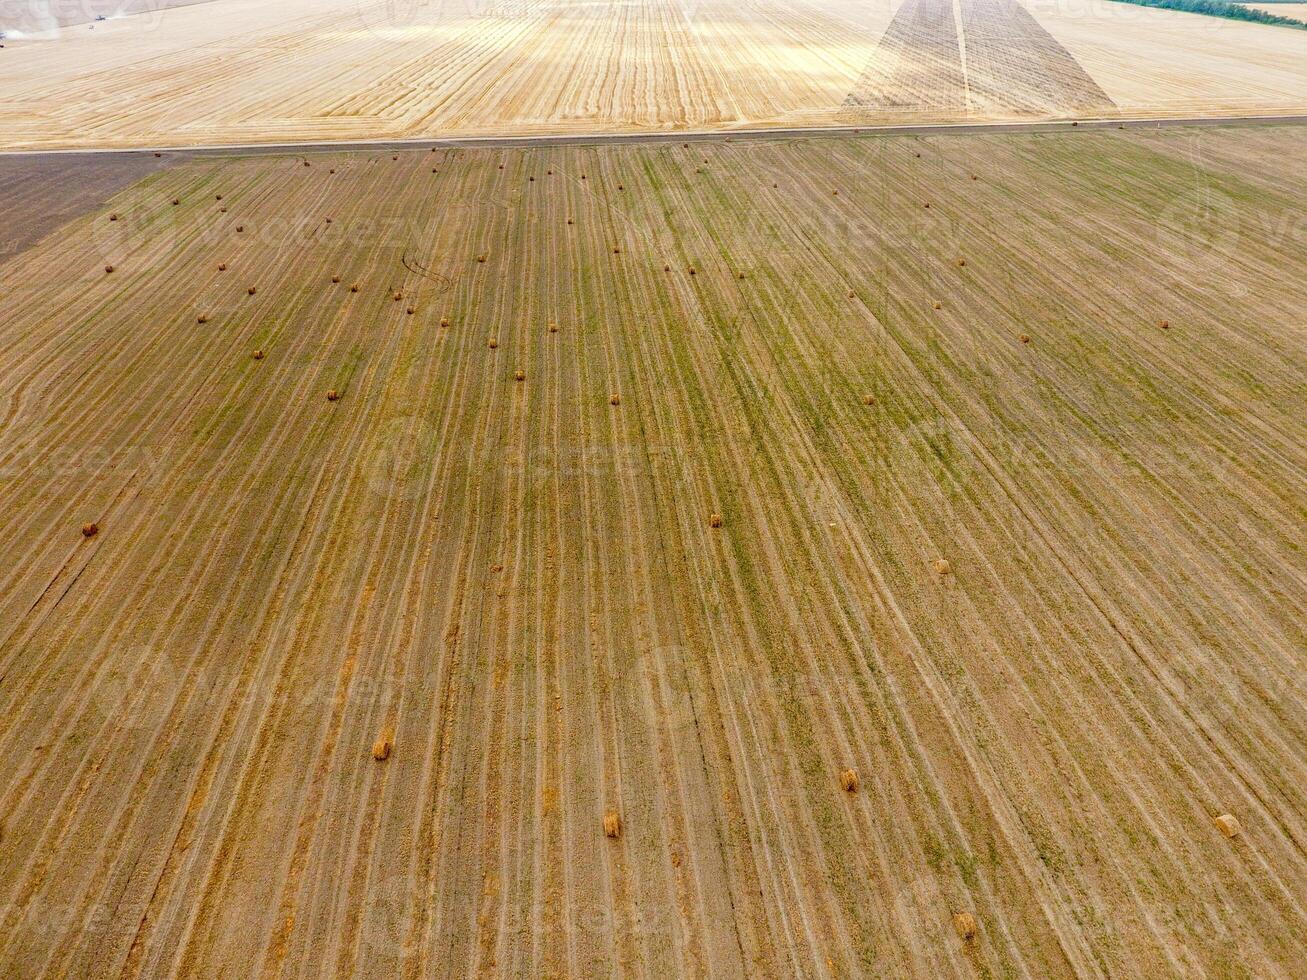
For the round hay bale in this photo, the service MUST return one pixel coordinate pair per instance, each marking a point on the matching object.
(1228, 825)
(108, 268)
(397, 296)
(553, 328)
(938, 305)
(691, 270)
(612, 824)
(354, 288)
(617, 250)
(335, 279)
(714, 520)
(217, 197)
(942, 566)
(974, 177)
(482, 257)
(962, 263)
(382, 746)
(519, 375)
(869, 399)
(926, 204)
(223, 209)
(965, 925)
(1024, 338)
(444, 321)
(239, 229)
(741, 275)
(621, 187)
(113, 217)
(493, 343)
(852, 294)
(328, 221)
(615, 399)
(583, 176)
(176, 201)
(222, 266)
(253, 289)
(569, 221)
(306, 163)
(90, 529)
(1164, 324)
(394, 158)
(531, 179)
(202, 318)
(333, 395)
(411, 310)
(258, 355)
(849, 780)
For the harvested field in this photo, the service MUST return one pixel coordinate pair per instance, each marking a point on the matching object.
(452, 676)
(240, 71)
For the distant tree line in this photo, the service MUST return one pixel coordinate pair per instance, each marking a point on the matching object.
(1220, 8)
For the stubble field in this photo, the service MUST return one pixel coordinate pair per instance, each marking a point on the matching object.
(245, 71)
(520, 583)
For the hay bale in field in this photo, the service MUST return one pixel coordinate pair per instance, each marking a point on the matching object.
(531, 179)
(612, 824)
(202, 318)
(397, 296)
(615, 399)
(333, 395)
(974, 177)
(113, 217)
(444, 321)
(852, 294)
(583, 176)
(965, 925)
(621, 187)
(239, 229)
(394, 158)
(570, 221)
(108, 268)
(494, 342)
(1024, 338)
(222, 266)
(549, 173)
(217, 197)
(962, 263)
(382, 746)
(354, 288)
(1227, 824)
(253, 289)
(335, 279)
(176, 201)
(306, 163)
(926, 204)
(328, 220)
(942, 566)
(483, 256)
(1164, 324)
(714, 520)
(332, 170)
(849, 780)
(223, 209)
(90, 529)
(617, 250)
(501, 166)
(741, 275)
(258, 355)
(411, 310)
(519, 375)
(553, 328)
(869, 399)
(691, 270)
(938, 305)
